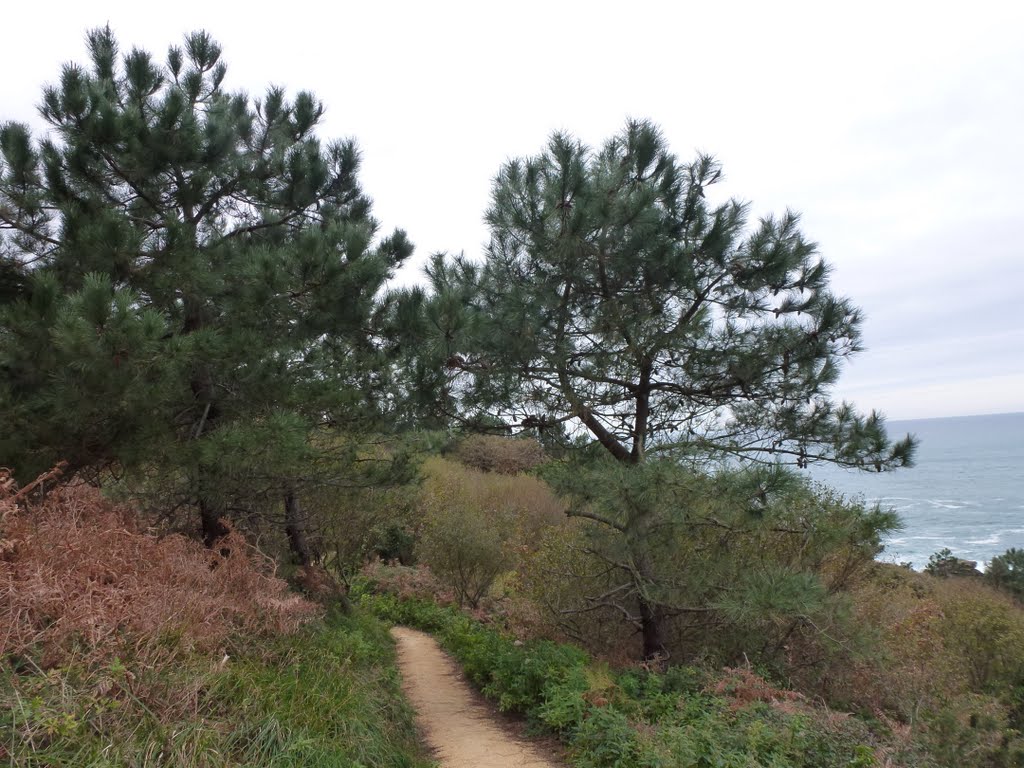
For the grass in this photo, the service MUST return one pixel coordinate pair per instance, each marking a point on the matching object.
(326, 696)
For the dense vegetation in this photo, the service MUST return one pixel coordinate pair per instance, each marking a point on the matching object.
(121, 647)
(696, 715)
(880, 662)
(195, 280)
(637, 717)
(588, 444)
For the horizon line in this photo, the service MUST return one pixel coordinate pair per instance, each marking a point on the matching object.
(890, 419)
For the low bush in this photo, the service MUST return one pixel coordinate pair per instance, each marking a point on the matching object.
(942, 661)
(984, 629)
(504, 455)
(474, 524)
(406, 581)
(80, 578)
(637, 718)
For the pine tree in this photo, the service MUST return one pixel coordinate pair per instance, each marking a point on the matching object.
(1006, 571)
(615, 298)
(197, 263)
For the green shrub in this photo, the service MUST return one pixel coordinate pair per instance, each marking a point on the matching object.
(1006, 571)
(972, 729)
(944, 564)
(606, 739)
(634, 718)
(565, 701)
(521, 675)
(985, 629)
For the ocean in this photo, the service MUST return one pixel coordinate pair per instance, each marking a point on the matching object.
(965, 492)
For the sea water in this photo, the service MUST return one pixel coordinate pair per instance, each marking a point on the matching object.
(965, 492)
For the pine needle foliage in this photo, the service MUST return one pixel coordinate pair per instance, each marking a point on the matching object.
(615, 296)
(617, 305)
(181, 259)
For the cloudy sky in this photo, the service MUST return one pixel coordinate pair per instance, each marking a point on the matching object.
(896, 128)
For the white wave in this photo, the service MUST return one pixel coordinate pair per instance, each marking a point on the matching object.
(994, 539)
(946, 504)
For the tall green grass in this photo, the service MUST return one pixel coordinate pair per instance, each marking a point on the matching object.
(327, 696)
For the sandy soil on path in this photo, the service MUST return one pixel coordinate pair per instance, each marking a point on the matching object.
(458, 727)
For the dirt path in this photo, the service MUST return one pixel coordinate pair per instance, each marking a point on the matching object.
(460, 729)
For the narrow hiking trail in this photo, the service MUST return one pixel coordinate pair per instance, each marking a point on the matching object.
(457, 726)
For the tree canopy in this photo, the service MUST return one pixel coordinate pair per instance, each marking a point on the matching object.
(616, 296)
(190, 276)
(617, 302)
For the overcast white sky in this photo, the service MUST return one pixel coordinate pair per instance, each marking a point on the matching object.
(896, 128)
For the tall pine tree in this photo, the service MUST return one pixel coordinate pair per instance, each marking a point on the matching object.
(617, 301)
(192, 277)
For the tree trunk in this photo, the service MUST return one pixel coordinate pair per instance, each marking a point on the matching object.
(209, 511)
(210, 519)
(643, 414)
(652, 617)
(651, 626)
(202, 390)
(636, 530)
(295, 528)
